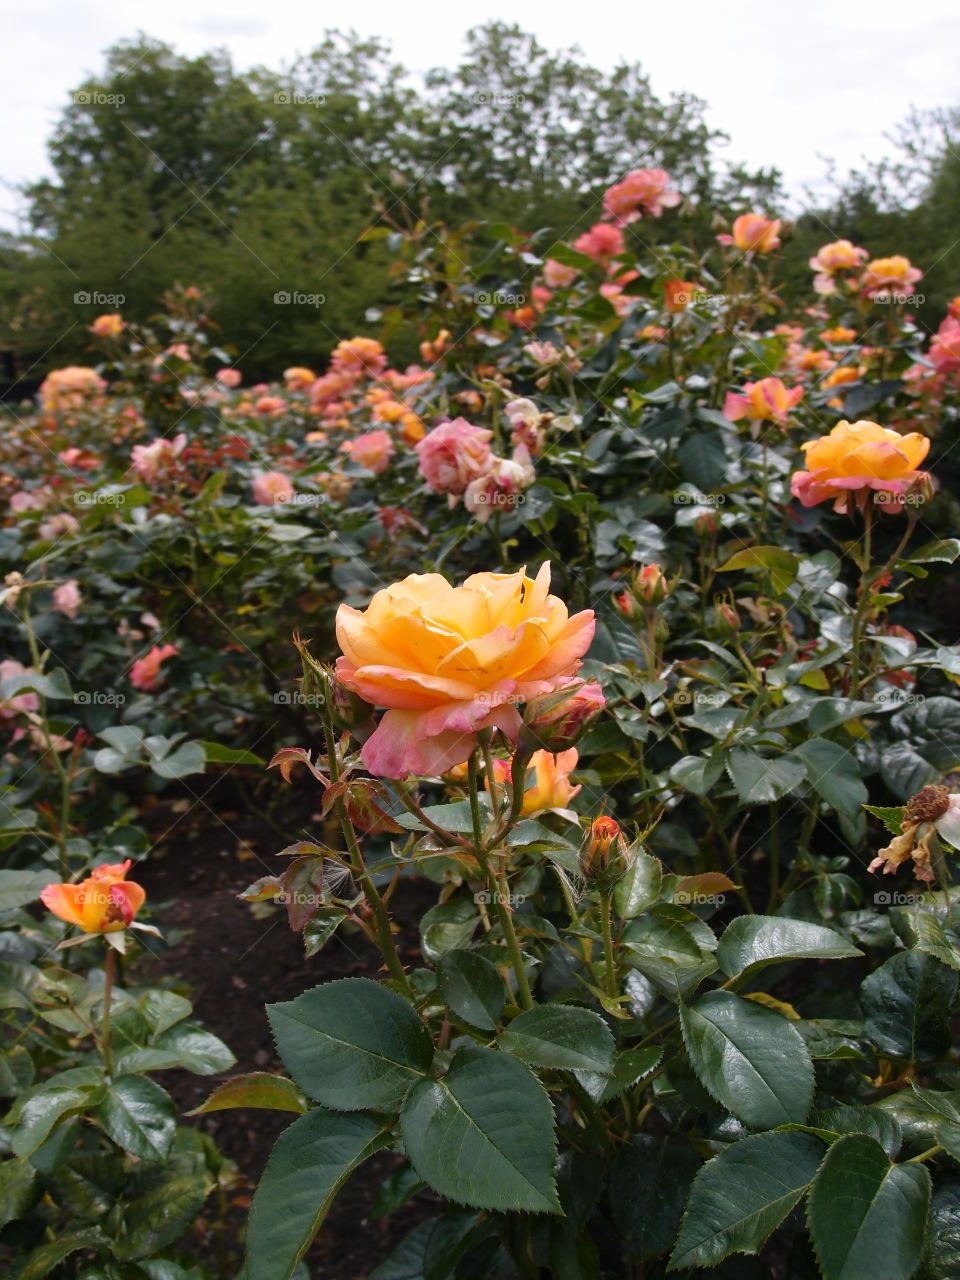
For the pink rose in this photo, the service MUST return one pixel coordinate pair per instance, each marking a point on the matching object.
(67, 598)
(145, 672)
(372, 449)
(272, 487)
(454, 454)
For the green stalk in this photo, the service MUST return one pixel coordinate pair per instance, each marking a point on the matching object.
(610, 965)
(105, 1045)
(499, 890)
(381, 918)
(863, 597)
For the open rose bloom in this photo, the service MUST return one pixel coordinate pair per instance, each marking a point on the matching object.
(765, 401)
(753, 233)
(448, 662)
(642, 191)
(547, 784)
(106, 902)
(860, 456)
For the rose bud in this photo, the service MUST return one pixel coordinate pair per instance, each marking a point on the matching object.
(706, 524)
(604, 854)
(627, 604)
(650, 585)
(724, 619)
(554, 721)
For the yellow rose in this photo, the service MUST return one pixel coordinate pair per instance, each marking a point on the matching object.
(859, 455)
(448, 662)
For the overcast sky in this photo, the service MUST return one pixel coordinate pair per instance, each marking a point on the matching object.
(790, 82)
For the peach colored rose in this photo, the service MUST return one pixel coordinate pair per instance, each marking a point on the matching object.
(548, 780)
(110, 326)
(558, 276)
(372, 449)
(145, 672)
(753, 233)
(272, 487)
(602, 242)
(642, 191)
(450, 661)
(67, 598)
(857, 456)
(767, 400)
(150, 461)
(884, 277)
(453, 454)
(230, 378)
(18, 703)
(103, 903)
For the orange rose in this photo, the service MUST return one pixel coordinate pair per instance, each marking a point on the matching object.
(105, 902)
(448, 662)
(857, 456)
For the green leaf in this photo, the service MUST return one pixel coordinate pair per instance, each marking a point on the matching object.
(54, 685)
(649, 1182)
(942, 1250)
(749, 943)
(639, 888)
(921, 930)
(259, 1090)
(760, 781)
(561, 1036)
(216, 753)
(472, 987)
(940, 551)
(703, 459)
(18, 1189)
(17, 888)
(664, 946)
(42, 1260)
(138, 1115)
(309, 1164)
(743, 1194)
(351, 1044)
(782, 565)
(834, 774)
(867, 1216)
(752, 1060)
(891, 817)
(163, 1202)
(906, 1004)
(44, 1111)
(448, 926)
(483, 1135)
(629, 1067)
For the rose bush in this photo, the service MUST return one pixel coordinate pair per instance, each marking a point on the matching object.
(664, 998)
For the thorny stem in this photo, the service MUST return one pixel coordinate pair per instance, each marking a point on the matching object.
(105, 1046)
(499, 889)
(613, 985)
(862, 598)
(385, 941)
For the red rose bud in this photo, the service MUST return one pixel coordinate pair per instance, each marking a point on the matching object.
(628, 605)
(650, 585)
(724, 620)
(706, 524)
(554, 721)
(604, 854)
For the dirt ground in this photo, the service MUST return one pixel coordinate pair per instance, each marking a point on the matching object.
(233, 960)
